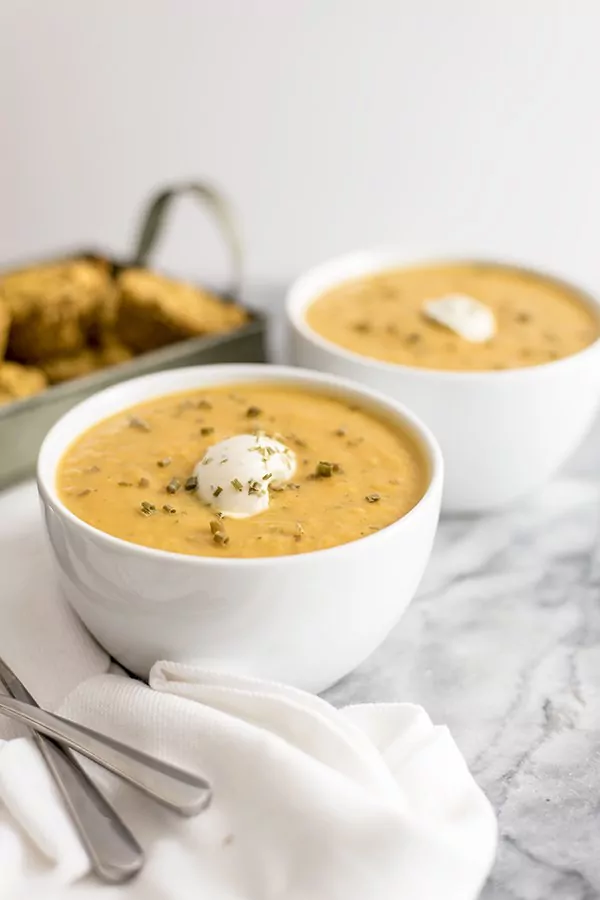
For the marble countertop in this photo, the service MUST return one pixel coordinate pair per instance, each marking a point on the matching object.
(502, 644)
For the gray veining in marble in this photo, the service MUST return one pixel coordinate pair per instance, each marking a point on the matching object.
(502, 643)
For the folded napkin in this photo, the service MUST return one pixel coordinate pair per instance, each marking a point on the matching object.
(310, 802)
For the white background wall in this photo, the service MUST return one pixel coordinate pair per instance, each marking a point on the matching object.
(332, 124)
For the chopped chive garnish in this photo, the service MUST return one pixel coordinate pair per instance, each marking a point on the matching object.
(163, 463)
(147, 508)
(84, 492)
(324, 469)
(139, 424)
(173, 486)
(214, 526)
(237, 484)
(125, 483)
(267, 476)
(219, 537)
(255, 487)
(169, 509)
(207, 460)
(340, 432)
(218, 490)
(144, 482)
(206, 431)
(253, 411)
(191, 483)
(373, 498)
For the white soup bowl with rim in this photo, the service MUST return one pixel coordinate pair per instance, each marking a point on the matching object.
(502, 433)
(306, 619)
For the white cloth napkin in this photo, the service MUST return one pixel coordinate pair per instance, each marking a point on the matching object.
(369, 802)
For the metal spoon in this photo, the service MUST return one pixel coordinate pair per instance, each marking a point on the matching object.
(115, 855)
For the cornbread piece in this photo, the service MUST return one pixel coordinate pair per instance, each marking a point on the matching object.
(113, 351)
(17, 382)
(64, 368)
(4, 327)
(55, 307)
(155, 311)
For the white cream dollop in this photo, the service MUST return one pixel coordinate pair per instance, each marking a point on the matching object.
(234, 475)
(467, 317)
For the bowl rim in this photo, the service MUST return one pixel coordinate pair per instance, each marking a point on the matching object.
(379, 259)
(259, 372)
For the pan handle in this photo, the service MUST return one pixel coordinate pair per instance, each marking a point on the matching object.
(154, 218)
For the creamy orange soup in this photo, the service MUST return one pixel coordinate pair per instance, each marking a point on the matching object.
(356, 473)
(538, 319)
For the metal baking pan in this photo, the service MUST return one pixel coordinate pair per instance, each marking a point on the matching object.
(24, 424)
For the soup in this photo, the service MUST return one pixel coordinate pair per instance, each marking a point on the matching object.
(248, 470)
(385, 316)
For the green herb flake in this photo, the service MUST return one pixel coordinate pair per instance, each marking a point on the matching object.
(163, 463)
(125, 483)
(145, 482)
(138, 424)
(206, 431)
(147, 508)
(191, 483)
(219, 537)
(237, 484)
(373, 498)
(169, 509)
(267, 476)
(217, 491)
(255, 487)
(252, 412)
(325, 469)
(173, 486)
(84, 492)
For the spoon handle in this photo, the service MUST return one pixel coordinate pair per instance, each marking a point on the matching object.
(177, 789)
(114, 853)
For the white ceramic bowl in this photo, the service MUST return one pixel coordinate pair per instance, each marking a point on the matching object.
(502, 433)
(306, 620)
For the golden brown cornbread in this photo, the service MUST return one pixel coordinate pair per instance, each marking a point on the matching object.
(64, 368)
(54, 308)
(18, 382)
(155, 311)
(4, 327)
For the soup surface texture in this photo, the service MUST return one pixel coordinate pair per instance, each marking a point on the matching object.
(382, 316)
(356, 473)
